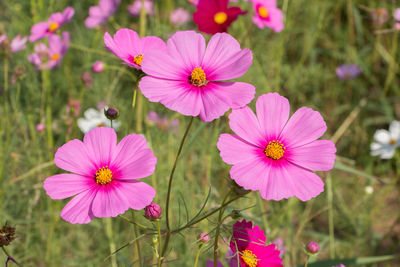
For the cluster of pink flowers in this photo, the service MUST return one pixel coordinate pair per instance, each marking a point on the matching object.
(100, 14)
(17, 44)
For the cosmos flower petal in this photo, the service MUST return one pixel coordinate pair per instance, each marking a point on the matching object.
(272, 113)
(74, 157)
(110, 201)
(138, 194)
(316, 156)
(224, 60)
(251, 174)
(66, 185)
(78, 210)
(100, 143)
(234, 149)
(38, 31)
(162, 65)
(394, 130)
(388, 153)
(382, 136)
(305, 126)
(150, 43)
(245, 124)
(127, 40)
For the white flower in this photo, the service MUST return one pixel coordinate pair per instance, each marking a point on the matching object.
(369, 189)
(386, 141)
(93, 118)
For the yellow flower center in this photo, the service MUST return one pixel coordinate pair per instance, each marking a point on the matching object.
(249, 258)
(220, 17)
(198, 77)
(55, 56)
(104, 175)
(53, 26)
(274, 150)
(100, 125)
(392, 142)
(138, 60)
(263, 12)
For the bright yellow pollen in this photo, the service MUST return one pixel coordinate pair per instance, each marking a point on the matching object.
(220, 17)
(198, 77)
(100, 125)
(138, 60)
(392, 142)
(263, 12)
(274, 150)
(53, 26)
(55, 56)
(104, 175)
(249, 258)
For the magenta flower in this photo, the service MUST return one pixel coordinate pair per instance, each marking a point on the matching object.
(190, 77)
(210, 263)
(250, 243)
(18, 43)
(136, 7)
(47, 28)
(274, 154)
(48, 58)
(127, 45)
(98, 66)
(214, 16)
(348, 71)
(100, 14)
(179, 17)
(104, 175)
(266, 14)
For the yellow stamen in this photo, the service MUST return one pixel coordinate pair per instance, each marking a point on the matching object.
(263, 12)
(274, 150)
(198, 77)
(55, 56)
(138, 60)
(220, 17)
(392, 142)
(100, 125)
(249, 258)
(104, 175)
(53, 26)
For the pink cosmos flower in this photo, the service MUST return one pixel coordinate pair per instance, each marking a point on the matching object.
(3, 37)
(348, 71)
(136, 7)
(274, 154)
(266, 14)
(179, 17)
(48, 58)
(100, 14)
(98, 66)
(18, 43)
(396, 14)
(46, 28)
(127, 45)
(250, 243)
(190, 77)
(379, 16)
(214, 16)
(104, 175)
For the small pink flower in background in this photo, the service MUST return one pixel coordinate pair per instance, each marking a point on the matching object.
(162, 122)
(379, 16)
(203, 238)
(3, 37)
(280, 246)
(250, 243)
(396, 14)
(193, 2)
(98, 66)
(340, 265)
(348, 71)
(18, 43)
(267, 14)
(274, 154)
(103, 175)
(397, 26)
(127, 45)
(152, 117)
(312, 247)
(179, 17)
(210, 263)
(136, 7)
(214, 16)
(100, 14)
(48, 58)
(56, 20)
(73, 107)
(40, 127)
(101, 105)
(190, 78)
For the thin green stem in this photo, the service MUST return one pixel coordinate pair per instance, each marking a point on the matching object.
(198, 255)
(159, 243)
(221, 213)
(171, 177)
(109, 233)
(137, 224)
(136, 234)
(5, 72)
(90, 50)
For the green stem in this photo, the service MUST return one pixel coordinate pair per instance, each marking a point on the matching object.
(159, 243)
(109, 233)
(136, 234)
(221, 212)
(305, 265)
(132, 222)
(171, 177)
(5, 72)
(198, 255)
(90, 50)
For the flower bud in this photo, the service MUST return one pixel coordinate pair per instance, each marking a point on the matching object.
(7, 234)
(40, 127)
(111, 113)
(152, 211)
(312, 247)
(203, 238)
(98, 66)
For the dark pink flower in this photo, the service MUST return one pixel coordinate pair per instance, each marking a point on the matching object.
(214, 16)
(104, 175)
(190, 78)
(56, 20)
(312, 247)
(274, 154)
(98, 66)
(127, 45)
(100, 14)
(248, 243)
(152, 211)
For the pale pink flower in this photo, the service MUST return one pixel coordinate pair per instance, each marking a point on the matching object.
(100, 14)
(98, 66)
(46, 28)
(40, 127)
(127, 45)
(3, 37)
(18, 43)
(379, 16)
(274, 154)
(179, 17)
(190, 78)
(267, 14)
(136, 7)
(104, 176)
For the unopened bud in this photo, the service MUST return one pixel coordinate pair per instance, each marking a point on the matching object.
(111, 113)
(203, 238)
(312, 247)
(7, 234)
(152, 211)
